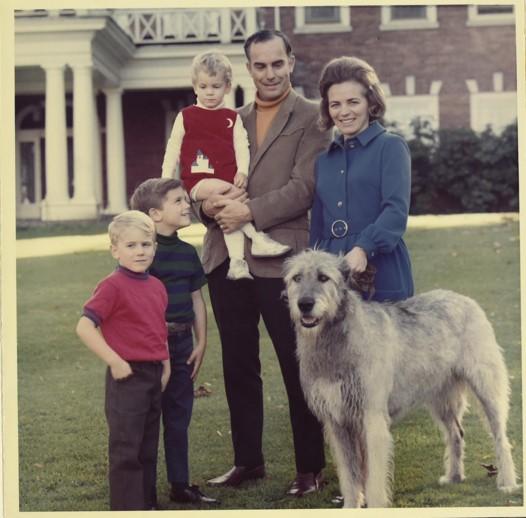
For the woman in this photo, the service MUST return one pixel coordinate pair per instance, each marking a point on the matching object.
(363, 181)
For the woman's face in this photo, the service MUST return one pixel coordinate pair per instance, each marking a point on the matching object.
(348, 107)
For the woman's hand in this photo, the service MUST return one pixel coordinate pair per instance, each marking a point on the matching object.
(357, 260)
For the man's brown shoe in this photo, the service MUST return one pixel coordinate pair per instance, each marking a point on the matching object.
(305, 483)
(236, 476)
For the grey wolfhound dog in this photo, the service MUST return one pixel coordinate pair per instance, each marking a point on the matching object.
(364, 365)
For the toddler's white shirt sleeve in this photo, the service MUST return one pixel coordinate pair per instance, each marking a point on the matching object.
(170, 167)
(241, 146)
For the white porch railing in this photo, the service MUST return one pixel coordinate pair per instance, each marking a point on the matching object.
(162, 26)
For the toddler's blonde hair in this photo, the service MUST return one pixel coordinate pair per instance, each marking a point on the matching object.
(212, 62)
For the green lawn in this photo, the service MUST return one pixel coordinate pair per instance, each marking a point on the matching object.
(62, 431)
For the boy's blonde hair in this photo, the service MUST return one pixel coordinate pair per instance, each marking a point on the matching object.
(212, 62)
(130, 219)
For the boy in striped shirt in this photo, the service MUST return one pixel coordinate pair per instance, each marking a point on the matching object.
(177, 266)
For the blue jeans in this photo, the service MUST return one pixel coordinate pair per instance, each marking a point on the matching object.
(177, 404)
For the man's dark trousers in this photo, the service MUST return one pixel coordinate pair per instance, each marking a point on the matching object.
(237, 307)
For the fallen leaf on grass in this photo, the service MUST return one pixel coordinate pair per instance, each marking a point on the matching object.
(219, 433)
(38, 465)
(202, 391)
(491, 469)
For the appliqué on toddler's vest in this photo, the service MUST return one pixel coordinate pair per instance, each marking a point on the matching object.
(207, 149)
(201, 164)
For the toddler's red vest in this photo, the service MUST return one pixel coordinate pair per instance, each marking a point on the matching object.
(207, 150)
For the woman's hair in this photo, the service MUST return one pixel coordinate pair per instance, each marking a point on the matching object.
(130, 219)
(212, 63)
(349, 68)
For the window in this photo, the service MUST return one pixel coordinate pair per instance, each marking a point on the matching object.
(495, 109)
(408, 12)
(322, 19)
(315, 15)
(404, 17)
(403, 109)
(490, 15)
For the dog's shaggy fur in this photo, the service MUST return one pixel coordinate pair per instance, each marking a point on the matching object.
(364, 365)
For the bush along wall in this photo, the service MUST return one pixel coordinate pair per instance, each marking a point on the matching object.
(460, 170)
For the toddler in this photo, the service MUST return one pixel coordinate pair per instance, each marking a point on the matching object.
(208, 150)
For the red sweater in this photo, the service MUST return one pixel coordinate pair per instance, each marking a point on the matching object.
(207, 150)
(129, 307)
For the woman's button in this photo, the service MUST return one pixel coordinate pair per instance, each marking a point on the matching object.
(340, 203)
(342, 171)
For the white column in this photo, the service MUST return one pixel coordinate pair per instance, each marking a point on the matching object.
(115, 163)
(57, 198)
(230, 98)
(226, 26)
(249, 92)
(277, 18)
(251, 21)
(83, 144)
(97, 153)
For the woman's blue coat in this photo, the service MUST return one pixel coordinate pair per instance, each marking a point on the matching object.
(366, 181)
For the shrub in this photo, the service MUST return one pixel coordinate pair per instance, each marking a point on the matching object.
(460, 170)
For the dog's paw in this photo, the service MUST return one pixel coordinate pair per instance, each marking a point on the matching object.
(455, 479)
(510, 489)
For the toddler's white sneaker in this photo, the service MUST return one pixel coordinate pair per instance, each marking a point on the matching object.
(238, 270)
(265, 246)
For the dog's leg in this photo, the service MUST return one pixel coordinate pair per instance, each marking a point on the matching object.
(488, 379)
(379, 458)
(448, 409)
(349, 461)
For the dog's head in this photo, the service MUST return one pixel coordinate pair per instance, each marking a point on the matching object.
(316, 284)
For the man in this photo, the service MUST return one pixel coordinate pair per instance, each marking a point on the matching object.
(284, 141)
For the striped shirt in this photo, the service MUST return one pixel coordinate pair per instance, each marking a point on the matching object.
(177, 266)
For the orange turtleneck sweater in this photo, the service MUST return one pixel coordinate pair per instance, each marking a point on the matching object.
(265, 113)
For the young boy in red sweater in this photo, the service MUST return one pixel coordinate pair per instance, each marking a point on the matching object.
(123, 324)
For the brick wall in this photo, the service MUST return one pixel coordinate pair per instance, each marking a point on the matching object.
(451, 54)
(144, 132)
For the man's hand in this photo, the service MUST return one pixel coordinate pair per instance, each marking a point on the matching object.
(210, 207)
(234, 215)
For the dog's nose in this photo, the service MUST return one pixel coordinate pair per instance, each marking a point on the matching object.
(306, 304)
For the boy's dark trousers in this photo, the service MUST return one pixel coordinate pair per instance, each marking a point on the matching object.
(177, 404)
(133, 411)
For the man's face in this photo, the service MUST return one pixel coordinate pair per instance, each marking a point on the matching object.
(270, 68)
